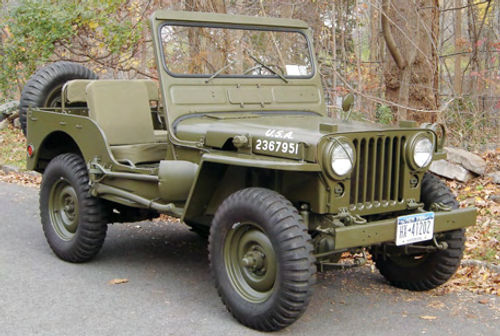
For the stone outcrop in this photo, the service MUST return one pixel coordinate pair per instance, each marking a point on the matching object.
(450, 170)
(466, 159)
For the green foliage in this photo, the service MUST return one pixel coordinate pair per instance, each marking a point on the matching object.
(88, 30)
(30, 31)
(384, 114)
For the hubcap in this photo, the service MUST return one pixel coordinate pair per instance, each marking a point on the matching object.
(250, 262)
(63, 209)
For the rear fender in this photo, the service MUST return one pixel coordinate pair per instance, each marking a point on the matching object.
(52, 133)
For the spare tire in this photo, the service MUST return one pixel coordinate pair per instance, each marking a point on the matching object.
(43, 89)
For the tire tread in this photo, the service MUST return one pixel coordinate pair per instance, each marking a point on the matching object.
(442, 264)
(295, 247)
(92, 227)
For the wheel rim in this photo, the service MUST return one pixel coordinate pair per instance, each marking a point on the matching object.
(54, 98)
(63, 209)
(409, 260)
(250, 262)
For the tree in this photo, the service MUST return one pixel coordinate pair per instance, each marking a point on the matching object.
(410, 30)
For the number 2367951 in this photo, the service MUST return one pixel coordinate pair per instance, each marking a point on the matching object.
(276, 146)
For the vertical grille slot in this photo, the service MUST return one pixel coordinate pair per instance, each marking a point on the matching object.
(372, 168)
(395, 168)
(388, 166)
(362, 171)
(377, 174)
(355, 176)
(380, 166)
(401, 180)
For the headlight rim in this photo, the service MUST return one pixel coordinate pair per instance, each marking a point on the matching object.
(328, 157)
(411, 150)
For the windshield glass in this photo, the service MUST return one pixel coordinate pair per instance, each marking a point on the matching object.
(219, 52)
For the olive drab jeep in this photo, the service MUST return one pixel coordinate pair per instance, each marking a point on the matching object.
(234, 139)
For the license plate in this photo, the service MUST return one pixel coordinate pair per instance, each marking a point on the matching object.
(414, 228)
(278, 147)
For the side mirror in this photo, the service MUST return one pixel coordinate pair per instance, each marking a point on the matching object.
(347, 102)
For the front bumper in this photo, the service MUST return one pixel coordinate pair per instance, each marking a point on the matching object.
(385, 230)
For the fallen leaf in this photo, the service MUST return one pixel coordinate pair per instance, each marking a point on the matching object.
(93, 25)
(118, 281)
(428, 317)
(436, 305)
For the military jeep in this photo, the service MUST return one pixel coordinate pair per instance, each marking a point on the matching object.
(235, 140)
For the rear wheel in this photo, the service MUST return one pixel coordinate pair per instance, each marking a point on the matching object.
(261, 258)
(73, 221)
(424, 271)
(43, 89)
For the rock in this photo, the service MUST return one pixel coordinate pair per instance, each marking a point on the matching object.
(480, 263)
(450, 170)
(4, 124)
(494, 198)
(9, 107)
(466, 159)
(17, 123)
(9, 169)
(495, 176)
(32, 173)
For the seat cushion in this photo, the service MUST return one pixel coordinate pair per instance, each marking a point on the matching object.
(152, 88)
(121, 109)
(74, 90)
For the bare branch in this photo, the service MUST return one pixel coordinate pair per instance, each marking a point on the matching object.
(476, 37)
(462, 7)
(391, 103)
(389, 39)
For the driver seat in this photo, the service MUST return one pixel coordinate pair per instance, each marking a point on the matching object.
(121, 109)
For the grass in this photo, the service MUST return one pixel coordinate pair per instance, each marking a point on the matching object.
(12, 147)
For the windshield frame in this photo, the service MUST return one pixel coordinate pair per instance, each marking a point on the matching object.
(235, 26)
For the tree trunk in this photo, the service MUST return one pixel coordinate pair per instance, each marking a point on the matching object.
(374, 33)
(457, 77)
(411, 74)
(333, 88)
(376, 49)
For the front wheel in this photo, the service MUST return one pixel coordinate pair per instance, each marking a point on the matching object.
(424, 271)
(73, 221)
(261, 259)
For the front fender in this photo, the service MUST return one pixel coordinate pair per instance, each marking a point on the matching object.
(220, 175)
(243, 160)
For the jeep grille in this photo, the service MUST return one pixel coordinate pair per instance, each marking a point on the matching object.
(377, 174)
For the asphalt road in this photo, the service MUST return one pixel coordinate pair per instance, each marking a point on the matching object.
(170, 291)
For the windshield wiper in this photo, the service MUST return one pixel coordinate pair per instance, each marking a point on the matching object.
(218, 72)
(268, 67)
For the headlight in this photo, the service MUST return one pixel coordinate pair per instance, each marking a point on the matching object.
(422, 151)
(342, 158)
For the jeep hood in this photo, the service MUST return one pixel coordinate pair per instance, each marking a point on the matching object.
(217, 129)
